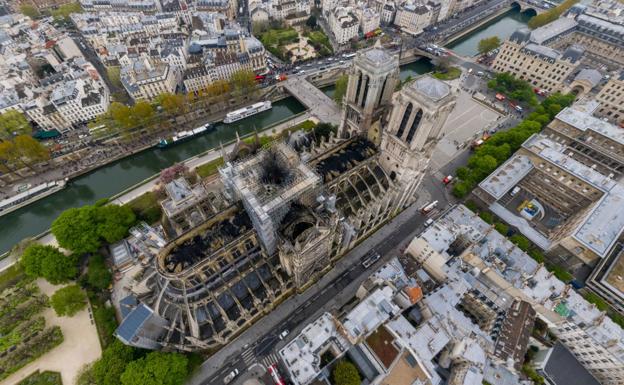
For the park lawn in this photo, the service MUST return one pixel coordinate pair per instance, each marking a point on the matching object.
(209, 168)
(278, 37)
(42, 378)
(319, 39)
(146, 207)
(450, 74)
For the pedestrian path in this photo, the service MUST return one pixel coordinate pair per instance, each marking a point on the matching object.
(269, 360)
(249, 357)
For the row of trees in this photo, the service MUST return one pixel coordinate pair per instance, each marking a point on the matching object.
(13, 123)
(504, 143)
(21, 151)
(129, 121)
(550, 15)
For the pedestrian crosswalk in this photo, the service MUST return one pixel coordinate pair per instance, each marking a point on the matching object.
(269, 360)
(249, 357)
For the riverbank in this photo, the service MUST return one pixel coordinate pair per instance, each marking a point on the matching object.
(148, 184)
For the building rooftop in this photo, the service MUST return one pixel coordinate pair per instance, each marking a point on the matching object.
(505, 177)
(543, 51)
(587, 122)
(562, 368)
(591, 75)
(302, 355)
(543, 34)
(431, 87)
(370, 313)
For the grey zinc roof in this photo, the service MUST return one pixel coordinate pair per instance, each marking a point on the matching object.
(542, 51)
(543, 34)
(564, 369)
(431, 87)
(591, 75)
(573, 53)
(520, 35)
(377, 55)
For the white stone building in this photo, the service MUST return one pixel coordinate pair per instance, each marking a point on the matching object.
(145, 78)
(413, 18)
(369, 19)
(344, 24)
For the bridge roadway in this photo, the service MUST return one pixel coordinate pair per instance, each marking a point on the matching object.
(320, 105)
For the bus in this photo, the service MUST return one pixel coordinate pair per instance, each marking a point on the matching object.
(370, 258)
(277, 379)
(426, 209)
(348, 55)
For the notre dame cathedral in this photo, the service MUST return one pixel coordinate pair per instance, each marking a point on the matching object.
(279, 217)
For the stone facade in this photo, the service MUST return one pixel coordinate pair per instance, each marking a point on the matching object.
(372, 80)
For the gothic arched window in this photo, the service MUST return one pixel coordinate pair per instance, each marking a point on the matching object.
(415, 123)
(406, 115)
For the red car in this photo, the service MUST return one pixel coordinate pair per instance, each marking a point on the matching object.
(447, 179)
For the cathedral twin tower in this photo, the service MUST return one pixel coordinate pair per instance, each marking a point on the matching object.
(405, 125)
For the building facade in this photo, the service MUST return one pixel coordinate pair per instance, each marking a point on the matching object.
(372, 80)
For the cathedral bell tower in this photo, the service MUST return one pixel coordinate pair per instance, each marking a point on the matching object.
(419, 112)
(373, 77)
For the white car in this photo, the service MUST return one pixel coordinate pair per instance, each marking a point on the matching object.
(283, 334)
(232, 375)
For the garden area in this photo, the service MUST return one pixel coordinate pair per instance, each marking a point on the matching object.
(276, 39)
(447, 74)
(320, 42)
(42, 378)
(24, 336)
(513, 88)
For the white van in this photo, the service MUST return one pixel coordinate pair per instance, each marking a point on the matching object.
(429, 222)
(514, 191)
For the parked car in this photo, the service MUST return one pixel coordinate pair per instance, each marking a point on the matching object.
(428, 222)
(283, 334)
(447, 179)
(232, 375)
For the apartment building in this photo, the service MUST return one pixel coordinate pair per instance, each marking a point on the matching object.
(540, 65)
(500, 270)
(413, 17)
(148, 6)
(145, 78)
(611, 99)
(344, 24)
(369, 19)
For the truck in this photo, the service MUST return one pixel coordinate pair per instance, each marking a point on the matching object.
(426, 209)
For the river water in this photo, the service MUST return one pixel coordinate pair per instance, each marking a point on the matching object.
(503, 26)
(116, 177)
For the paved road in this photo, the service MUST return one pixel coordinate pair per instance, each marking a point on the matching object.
(319, 104)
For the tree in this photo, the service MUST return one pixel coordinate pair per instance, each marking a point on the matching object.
(113, 222)
(30, 150)
(98, 275)
(345, 373)
(83, 229)
(62, 13)
(311, 22)
(141, 113)
(9, 156)
(487, 44)
(173, 104)
(550, 15)
(76, 229)
(48, 262)
(168, 174)
(156, 368)
(442, 63)
(30, 11)
(13, 123)
(109, 368)
(341, 88)
(521, 241)
(501, 228)
(68, 300)
(243, 81)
